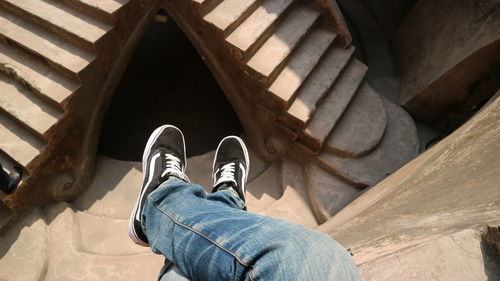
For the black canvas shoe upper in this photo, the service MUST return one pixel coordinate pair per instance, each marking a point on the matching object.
(164, 156)
(231, 165)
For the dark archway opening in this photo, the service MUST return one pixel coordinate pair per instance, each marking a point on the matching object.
(166, 82)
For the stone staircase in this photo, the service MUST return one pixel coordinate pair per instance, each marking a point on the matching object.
(286, 66)
(304, 79)
(45, 50)
(55, 57)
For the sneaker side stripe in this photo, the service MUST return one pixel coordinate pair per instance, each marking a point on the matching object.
(150, 179)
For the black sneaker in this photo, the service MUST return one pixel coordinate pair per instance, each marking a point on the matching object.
(164, 156)
(231, 165)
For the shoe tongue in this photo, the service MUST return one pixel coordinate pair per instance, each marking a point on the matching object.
(180, 176)
(227, 180)
(221, 182)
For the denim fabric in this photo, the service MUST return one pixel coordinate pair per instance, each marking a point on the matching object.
(209, 237)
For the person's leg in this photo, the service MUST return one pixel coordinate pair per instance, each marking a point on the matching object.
(209, 236)
(209, 239)
(170, 272)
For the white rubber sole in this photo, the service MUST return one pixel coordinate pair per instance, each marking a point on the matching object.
(147, 150)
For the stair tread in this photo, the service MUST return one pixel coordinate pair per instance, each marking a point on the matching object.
(331, 108)
(109, 239)
(228, 12)
(301, 63)
(279, 46)
(17, 142)
(362, 125)
(63, 17)
(294, 205)
(398, 146)
(43, 43)
(264, 190)
(318, 84)
(328, 194)
(18, 101)
(257, 23)
(108, 6)
(64, 239)
(35, 73)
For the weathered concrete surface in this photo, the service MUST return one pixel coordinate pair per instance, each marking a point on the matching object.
(453, 186)
(448, 59)
(264, 190)
(456, 256)
(116, 183)
(327, 193)
(26, 259)
(398, 146)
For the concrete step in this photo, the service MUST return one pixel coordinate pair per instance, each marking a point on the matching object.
(331, 108)
(114, 190)
(60, 53)
(328, 194)
(35, 74)
(25, 249)
(246, 36)
(18, 142)
(60, 19)
(294, 205)
(230, 13)
(105, 236)
(302, 62)
(264, 190)
(398, 146)
(68, 260)
(315, 87)
(103, 10)
(361, 127)
(26, 107)
(273, 54)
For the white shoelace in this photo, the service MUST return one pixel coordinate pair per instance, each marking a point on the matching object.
(172, 165)
(227, 173)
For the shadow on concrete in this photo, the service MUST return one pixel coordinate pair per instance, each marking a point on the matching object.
(491, 260)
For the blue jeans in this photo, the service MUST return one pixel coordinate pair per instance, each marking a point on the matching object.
(209, 237)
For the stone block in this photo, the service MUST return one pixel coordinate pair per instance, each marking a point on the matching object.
(450, 187)
(450, 61)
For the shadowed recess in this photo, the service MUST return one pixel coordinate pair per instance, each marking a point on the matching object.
(166, 82)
